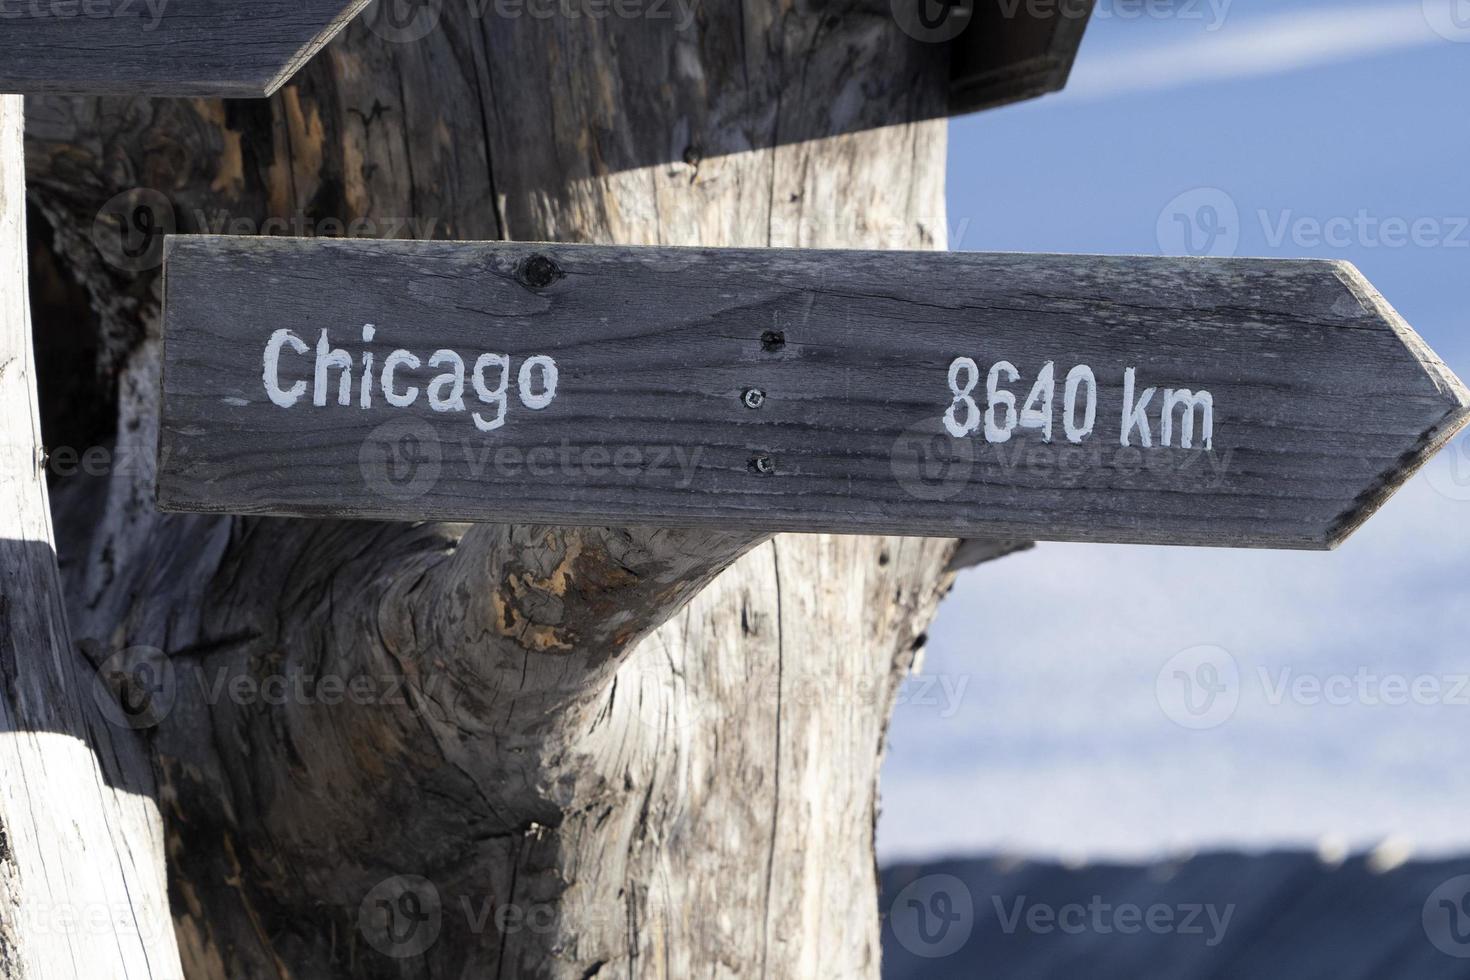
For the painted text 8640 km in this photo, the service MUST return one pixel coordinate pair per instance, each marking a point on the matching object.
(1179, 417)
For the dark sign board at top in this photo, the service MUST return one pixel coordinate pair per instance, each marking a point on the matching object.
(223, 48)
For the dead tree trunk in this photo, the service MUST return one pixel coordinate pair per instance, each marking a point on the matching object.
(81, 845)
(444, 751)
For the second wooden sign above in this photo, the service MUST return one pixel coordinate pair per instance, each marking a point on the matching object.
(1173, 401)
(220, 48)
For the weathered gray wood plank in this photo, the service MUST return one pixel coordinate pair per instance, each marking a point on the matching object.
(82, 889)
(1321, 399)
(220, 48)
(1012, 51)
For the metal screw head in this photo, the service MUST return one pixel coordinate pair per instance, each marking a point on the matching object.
(764, 465)
(753, 398)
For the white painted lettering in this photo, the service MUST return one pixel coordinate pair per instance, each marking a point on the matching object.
(284, 397)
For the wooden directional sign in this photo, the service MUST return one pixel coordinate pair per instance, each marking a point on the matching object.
(1008, 50)
(224, 48)
(1174, 401)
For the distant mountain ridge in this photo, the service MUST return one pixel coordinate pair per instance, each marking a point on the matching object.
(1274, 916)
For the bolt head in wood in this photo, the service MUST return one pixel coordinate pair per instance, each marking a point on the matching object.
(753, 398)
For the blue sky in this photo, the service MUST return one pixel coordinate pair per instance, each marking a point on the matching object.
(1050, 721)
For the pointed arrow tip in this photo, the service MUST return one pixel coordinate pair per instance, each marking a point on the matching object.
(1450, 390)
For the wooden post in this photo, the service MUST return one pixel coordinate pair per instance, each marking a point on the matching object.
(680, 785)
(82, 889)
(585, 752)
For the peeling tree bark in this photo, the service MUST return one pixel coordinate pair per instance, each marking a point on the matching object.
(82, 892)
(582, 752)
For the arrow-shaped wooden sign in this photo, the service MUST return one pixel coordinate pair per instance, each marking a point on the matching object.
(222, 48)
(1089, 398)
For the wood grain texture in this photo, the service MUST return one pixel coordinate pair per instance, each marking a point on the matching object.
(703, 822)
(1012, 51)
(82, 889)
(221, 48)
(1323, 399)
